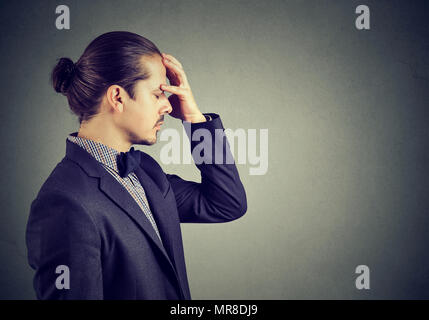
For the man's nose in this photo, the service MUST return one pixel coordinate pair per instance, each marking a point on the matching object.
(167, 108)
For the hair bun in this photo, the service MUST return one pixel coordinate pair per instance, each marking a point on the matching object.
(62, 75)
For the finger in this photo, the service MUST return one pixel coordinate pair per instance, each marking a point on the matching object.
(180, 73)
(173, 89)
(172, 59)
(174, 74)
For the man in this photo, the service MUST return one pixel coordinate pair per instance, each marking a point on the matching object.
(106, 223)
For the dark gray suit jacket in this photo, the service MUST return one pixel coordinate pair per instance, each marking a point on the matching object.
(84, 219)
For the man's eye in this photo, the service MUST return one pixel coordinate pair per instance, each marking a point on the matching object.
(157, 97)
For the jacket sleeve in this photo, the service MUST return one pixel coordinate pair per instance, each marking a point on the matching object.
(220, 197)
(60, 234)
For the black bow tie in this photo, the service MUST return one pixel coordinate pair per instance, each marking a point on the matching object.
(128, 162)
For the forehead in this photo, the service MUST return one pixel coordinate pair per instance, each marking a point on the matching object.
(156, 70)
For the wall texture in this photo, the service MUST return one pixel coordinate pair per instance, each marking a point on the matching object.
(347, 114)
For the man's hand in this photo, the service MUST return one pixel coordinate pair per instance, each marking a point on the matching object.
(182, 99)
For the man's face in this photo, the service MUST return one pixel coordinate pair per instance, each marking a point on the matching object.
(143, 115)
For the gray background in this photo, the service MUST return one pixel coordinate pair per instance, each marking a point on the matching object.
(347, 116)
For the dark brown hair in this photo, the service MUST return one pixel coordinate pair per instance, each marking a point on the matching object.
(111, 58)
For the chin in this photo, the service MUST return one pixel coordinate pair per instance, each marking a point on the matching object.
(148, 141)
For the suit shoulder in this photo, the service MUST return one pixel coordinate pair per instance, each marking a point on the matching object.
(67, 177)
(63, 192)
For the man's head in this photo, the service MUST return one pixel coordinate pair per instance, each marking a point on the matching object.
(117, 80)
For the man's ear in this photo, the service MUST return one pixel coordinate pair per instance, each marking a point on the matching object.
(115, 97)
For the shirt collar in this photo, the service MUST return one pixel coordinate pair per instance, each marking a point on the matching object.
(102, 153)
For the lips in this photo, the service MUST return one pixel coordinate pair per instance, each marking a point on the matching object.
(159, 124)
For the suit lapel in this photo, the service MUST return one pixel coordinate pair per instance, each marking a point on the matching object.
(157, 205)
(118, 194)
(160, 211)
(156, 201)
